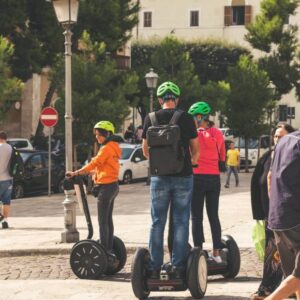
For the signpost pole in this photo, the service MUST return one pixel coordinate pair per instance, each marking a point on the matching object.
(49, 163)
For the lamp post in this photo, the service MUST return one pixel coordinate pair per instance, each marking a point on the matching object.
(66, 12)
(151, 81)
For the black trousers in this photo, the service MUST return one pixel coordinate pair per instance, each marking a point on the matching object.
(206, 189)
(106, 198)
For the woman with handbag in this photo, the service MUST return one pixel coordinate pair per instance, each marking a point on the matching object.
(272, 273)
(207, 183)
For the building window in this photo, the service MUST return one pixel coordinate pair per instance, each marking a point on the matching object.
(237, 15)
(147, 19)
(194, 18)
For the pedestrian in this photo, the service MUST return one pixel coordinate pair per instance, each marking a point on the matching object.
(207, 182)
(175, 188)
(233, 164)
(272, 272)
(284, 212)
(105, 167)
(6, 181)
(138, 134)
(128, 135)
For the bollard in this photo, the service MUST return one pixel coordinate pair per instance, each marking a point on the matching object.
(70, 234)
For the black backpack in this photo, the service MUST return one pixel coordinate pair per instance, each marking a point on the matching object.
(166, 152)
(16, 164)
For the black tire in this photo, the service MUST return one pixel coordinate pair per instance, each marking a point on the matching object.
(88, 259)
(60, 186)
(196, 274)
(139, 273)
(119, 250)
(233, 256)
(127, 177)
(18, 191)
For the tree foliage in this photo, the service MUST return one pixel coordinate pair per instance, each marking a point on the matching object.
(196, 67)
(10, 87)
(31, 25)
(99, 90)
(278, 40)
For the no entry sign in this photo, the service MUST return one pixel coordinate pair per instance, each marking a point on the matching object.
(49, 116)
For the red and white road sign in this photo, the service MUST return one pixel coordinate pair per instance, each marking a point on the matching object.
(49, 116)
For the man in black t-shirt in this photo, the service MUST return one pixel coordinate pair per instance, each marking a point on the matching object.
(175, 188)
(284, 212)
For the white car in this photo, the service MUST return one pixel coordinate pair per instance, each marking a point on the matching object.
(20, 143)
(133, 164)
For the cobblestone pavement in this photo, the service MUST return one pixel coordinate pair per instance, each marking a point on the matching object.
(58, 267)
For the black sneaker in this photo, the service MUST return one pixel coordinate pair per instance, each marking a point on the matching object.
(177, 273)
(226, 186)
(4, 225)
(1, 217)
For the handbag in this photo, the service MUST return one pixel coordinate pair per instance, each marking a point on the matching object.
(221, 163)
(259, 239)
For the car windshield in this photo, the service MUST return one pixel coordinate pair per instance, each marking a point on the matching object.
(252, 143)
(18, 144)
(126, 152)
(25, 155)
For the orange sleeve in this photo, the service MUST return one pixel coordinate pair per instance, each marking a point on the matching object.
(97, 161)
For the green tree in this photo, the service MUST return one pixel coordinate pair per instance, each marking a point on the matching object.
(10, 87)
(278, 41)
(249, 98)
(100, 91)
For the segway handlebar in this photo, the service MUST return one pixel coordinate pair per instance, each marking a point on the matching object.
(76, 183)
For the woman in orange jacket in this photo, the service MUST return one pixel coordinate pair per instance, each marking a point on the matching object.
(106, 188)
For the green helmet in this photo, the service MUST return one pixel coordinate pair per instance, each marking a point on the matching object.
(168, 87)
(199, 108)
(105, 125)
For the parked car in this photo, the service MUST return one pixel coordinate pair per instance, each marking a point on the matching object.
(20, 143)
(35, 177)
(133, 164)
(253, 147)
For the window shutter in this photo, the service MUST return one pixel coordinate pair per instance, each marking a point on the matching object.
(227, 15)
(248, 14)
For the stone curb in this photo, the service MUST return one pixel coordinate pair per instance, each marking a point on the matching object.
(62, 251)
(47, 251)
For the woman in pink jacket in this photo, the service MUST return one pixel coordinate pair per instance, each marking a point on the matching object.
(207, 183)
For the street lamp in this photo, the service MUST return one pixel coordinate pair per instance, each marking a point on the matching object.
(151, 81)
(66, 12)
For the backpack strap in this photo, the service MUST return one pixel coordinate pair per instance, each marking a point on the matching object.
(153, 119)
(176, 117)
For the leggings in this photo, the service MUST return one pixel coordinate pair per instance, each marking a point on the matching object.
(206, 188)
(106, 197)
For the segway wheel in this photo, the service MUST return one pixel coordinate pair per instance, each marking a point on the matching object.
(139, 273)
(119, 250)
(197, 273)
(88, 259)
(233, 256)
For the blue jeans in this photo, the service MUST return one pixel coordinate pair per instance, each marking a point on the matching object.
(178, 190)
(6, 191)
(234, 170)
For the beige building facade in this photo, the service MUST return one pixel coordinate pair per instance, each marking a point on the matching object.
(191, 20)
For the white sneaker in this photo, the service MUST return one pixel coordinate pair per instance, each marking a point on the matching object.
(217, 259)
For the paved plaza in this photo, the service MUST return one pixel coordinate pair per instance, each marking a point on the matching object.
(35, 264)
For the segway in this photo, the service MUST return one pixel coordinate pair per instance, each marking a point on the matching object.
(230, 254)
(89, 259)
(194, 279)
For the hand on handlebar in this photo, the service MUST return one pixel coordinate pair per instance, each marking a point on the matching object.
(70, 174)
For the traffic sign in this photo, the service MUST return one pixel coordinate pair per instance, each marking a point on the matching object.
(49, 116)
